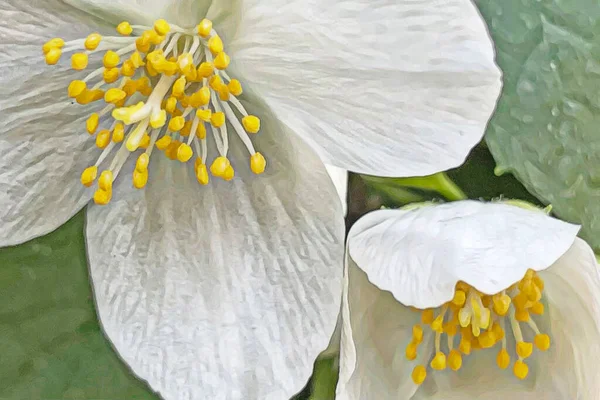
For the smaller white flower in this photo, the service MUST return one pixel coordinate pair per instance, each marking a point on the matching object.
(469, 300)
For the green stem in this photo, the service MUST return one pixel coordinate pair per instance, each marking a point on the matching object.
(439, 183)
(447, 188)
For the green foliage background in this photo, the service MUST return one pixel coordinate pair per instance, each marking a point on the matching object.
(51, 345)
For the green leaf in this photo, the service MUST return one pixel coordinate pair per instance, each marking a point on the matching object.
(51, 345)
(546, 127)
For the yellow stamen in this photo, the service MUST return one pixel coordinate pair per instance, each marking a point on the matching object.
(124, 28)
(92, 41)
(79, 61)
(251, 124)
(204, 28)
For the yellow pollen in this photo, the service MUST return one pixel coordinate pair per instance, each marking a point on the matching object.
(92, 123)
(79, 61)
(217, 119)
(89, 175)
(419, 374)
(521, 370)
(479, 321)
(92, 41)
(222, 61)
(124, 28)
(215, 45)
(454, 360)
(204, 28)
(164, 76)
(251, 124)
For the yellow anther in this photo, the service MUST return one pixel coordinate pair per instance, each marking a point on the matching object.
(170, 68)
(145, 142)
(222, 61)
(258, 164)
(163, 142)
(205, 70)
(503, 359)
(53, 55)
(204, 115)
(92, 41)
(176, 124)
(427, 316)
(171, 104)
(162, 27)
(522, 315)
(465, 346)
(118, 133)
(184, 153)
(92, 123)
(251, 123)
(520, 301)
(137, 60)
(454, 360)
(436, 325)
(76, 88)
(154, 37)
(487, 339)
(111, 59)
(140, 179)
(235, 87)
(223, 93)
(158, 119)
(171, 151)
(128, 69)
(217, 119)
(537, 309)
(203, 96)
(79, 61)
(103, 138)
(143, 44)
(538, 282)
(110, 75)
(88, 96)
(201, 172)
(204, 28)
(187, 128)
(542, 341)
(124, 28)
(201, 131)
(459, 297)
(417, 334)
(215, 45)
(501, 303)
(520, 369)
(114, 95)
(56, 43)
(450, 328)
(179, 87)
(411, 351)
(498, 332)
(215, 82)
(102, 197)
(186, 63)
(439, 361)
(464, 317)
(228, 174)
(89, 175)
(524, 349)
(419, 374)
(106, 179)
(219, 166)
(142, 162)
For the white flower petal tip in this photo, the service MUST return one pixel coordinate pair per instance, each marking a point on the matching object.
(419, 255)
(393, 88)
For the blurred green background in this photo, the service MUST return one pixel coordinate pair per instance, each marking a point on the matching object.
(51, 345)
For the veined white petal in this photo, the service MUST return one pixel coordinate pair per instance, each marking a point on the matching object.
(419, 255)
(185, 13)
(340, 180)
(385, 88)
(43, 143)
(225, 291)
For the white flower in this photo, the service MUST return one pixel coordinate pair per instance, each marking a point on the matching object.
(228, 288)
(449, 295)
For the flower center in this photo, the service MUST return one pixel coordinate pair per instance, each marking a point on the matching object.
(478, 321)
(163, 88)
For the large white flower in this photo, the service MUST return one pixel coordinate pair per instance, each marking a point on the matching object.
(469, 300)
(225, 286)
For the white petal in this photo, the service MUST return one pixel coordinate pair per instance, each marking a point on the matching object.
(568, 370)
(340, 180)
(387, 88)
(376, 329)
(185, 13)
(419, 255)
(43, 143)
(224, 291)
